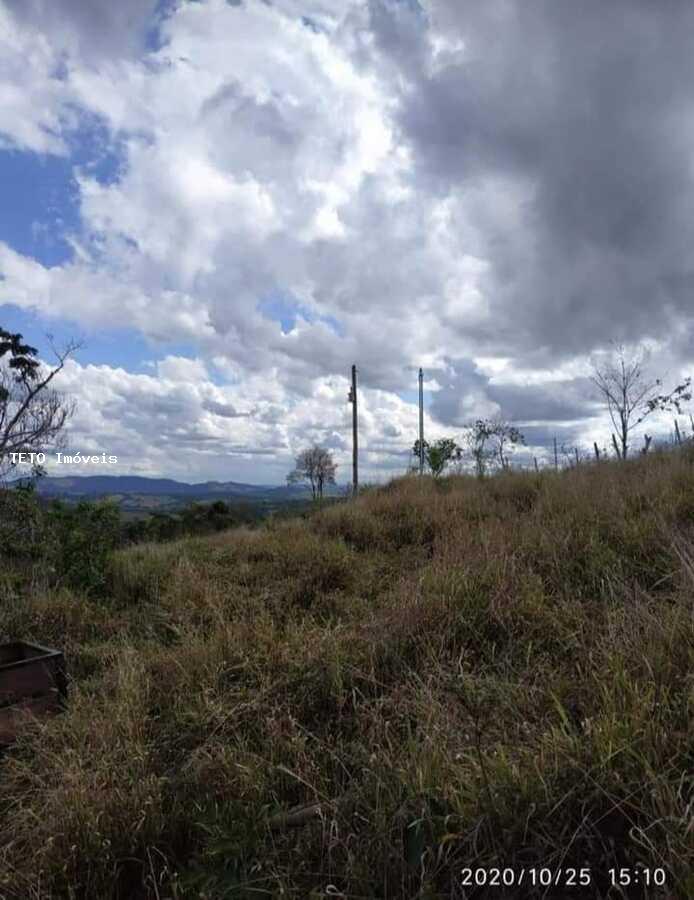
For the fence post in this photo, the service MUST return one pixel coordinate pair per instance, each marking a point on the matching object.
(556, 458)
(597, 452)
(616, 446)
(537, 469)
(677, 432)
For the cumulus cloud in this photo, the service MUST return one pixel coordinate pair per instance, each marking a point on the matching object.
(466, 392)
(565, 132)
(178, 421)
(35, 98)
(89, 31)
(225, 410)
(490, 190)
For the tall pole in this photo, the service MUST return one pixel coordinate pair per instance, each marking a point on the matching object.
(355, 440)
(421, 422)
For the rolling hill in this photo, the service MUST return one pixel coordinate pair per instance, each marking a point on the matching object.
(135, 492)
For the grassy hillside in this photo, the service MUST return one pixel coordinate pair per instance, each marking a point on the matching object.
(469, 673)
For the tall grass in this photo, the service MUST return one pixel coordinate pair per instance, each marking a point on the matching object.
(470, 673)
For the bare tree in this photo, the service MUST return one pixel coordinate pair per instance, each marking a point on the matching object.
(630, 395)
(32, 413)
(475, 438)
(504, 437)
(316, 466)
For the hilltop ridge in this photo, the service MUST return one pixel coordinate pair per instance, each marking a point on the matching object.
(437, 677)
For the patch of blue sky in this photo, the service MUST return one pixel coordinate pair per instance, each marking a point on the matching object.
(284, 309)
(336, 326)
(123, 348)
(41, 204)
(153, 38)
(96, 150)
(412, 397)
(279, 309)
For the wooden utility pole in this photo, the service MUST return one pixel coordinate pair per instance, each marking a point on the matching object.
(352, 397)
(421, 422)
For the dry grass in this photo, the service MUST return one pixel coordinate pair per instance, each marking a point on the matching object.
(469, 673)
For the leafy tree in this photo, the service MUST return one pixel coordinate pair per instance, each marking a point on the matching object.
(84, 536)
(70, 543)
(23, 534)
(439, 454)
(490, 440)
(32, 414)
(630, 394)
(315, 465)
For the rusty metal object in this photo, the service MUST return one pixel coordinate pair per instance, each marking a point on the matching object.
(33, 684)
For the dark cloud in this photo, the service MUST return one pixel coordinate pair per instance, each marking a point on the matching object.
(549, 401)
(567, 436)
(398, 27)
(565, 132)
(265, 135)
(459, 383)
(467, 393)
(225, 410)
(93, 28)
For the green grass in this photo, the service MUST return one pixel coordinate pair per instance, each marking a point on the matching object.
(473, 673)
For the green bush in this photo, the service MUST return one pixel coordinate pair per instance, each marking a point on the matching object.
(23, 531)
(83, 537)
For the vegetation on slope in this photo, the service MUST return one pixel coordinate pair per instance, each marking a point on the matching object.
(463, 673)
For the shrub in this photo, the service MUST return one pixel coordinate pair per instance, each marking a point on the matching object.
(83, 538)
(23, 533)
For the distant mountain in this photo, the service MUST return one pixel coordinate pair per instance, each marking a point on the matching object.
(92, 486)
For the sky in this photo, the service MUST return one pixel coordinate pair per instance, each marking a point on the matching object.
(230, 203)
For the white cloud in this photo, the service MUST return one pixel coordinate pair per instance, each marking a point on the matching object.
(178, 422)
(34, 100)
(91, 31)
(361, 160)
